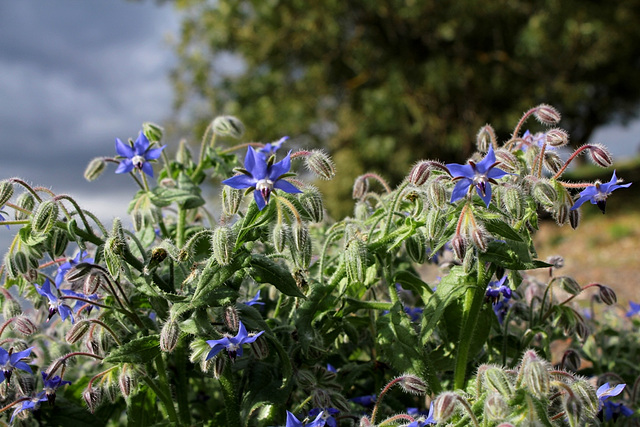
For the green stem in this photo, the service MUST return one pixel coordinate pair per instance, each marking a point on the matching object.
(182, 219)
(182, 384)
(230, 398)
(473, 299)
(164, 398)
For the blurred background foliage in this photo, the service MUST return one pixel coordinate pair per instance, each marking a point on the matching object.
(383, 83)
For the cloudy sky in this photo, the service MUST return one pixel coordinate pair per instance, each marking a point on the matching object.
(74, 75)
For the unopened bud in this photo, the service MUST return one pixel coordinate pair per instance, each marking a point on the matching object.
(536, 378)
(547, 115)
(95, 168)
(360, 187)
(158, 254)
(125, 381)
(459, 246)
(508, 161)
(6, 191)
(152, 131)
(183, 156)
(223, 241)
(78, 272)
(416, 246)
(573, 409)
(311, 201)
(57, 242)
(574, 218)
(582, 330)
(306, 378)
(45, 217)
(562, 214)
(231, 318)
(485, 138)
(320, 164)
(544, 193)
(300, 235)
(361, 211)
(419, 173)
(479, 237)
(356, 260)
(445, 406)
(11, 307)
(498, 380)
(228, 126)
(25, 201)
(556, 260)
(600, 155)
(26, 384)
(169, 335)
(280, 234)
(10, 266)
(436, 193)
(260, 348)
(552, 161)
(496, 407)
(513, 201)
(556, 137)
(434, 224)
(301, 250)
(24, 325)
(569, 284)
(77, 331)
(571, 361)
(92, 397)
(21, 262)
(607, 295)
(413, 384)
(587, 394)
(231, 199)
(219, 364)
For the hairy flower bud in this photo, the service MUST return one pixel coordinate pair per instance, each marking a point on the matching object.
(459, 246)
(600, 155)
(231, 318)
(361, 211)
(24, 325)
(508, 161)
(360, 187)
(152, 131)
(547, 115)
(231, 199)
(573, 409)
(11, 307)
(574, 218)
(223, 241)
(320, 164)
(92, 397)
(27, 202)
(569, 285)
(301, 250)
(544, 193)
(434, 224)
(496, 407)
(419, 173)
(552, 161)
(356, 260)
(498, 380)
(169, 335)
(479, 237)
(26, 384)
(95, 168)
(536, 377)
(416, 246)
(486, 137)
(413, 384)
(10, 266)
(587, 394)
(219, 364)
(445, 406)
(57, 242)
(436, 193)
(260, 348)
(512, 199)
(6, 191)
(125, 380)
(556, 137)
(21, 262)
(280, 234)
(571, 361)
(607, 295)
(45, 217)
(227, 126)
(561, 214)
(311, 201)
(77, 331)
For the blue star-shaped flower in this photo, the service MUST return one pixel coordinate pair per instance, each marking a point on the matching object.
(262, 176)
(604, 392)
(270, 148)
(480, 175)
(137, 156)
(292, 421)
(634, 309)
(80, 304)
(232, 344)
(496, 288)
(81, 256)
(11, 361)
(55, 305)
(368, 400)
(597, 194)
(421, 421)
(325, 416)
(29, 404)
(51, 385)
(254, 300)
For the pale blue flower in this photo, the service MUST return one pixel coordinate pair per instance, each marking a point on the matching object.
(597, 194)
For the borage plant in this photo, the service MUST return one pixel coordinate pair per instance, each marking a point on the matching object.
(269, 313)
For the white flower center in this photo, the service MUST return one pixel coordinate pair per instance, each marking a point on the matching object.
(138, 161)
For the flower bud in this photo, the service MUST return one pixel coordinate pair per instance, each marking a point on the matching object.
(228, 126)
(21, 262)
(607, 295)
(300, 235)
(24, 325)
(536, 377)
(231, 199)
(498, 380)
(587, 394)
(301, 250)
(571, 361)
(573, 409)
(219, 364)
(231, 318)
(45, 217)
(10, 266)
(552, 161)
(77, 331)
(223, 241)
(6, 191)
(445, 406)
(436, 193)
(508, 161)
(356, 260)
(57, 242)
(434, 224)
(459, 246)
(11, 307)
(496, 407)
(544, 193)
(413, 384)
(556, 137)
(574, 218)
(95, 168)
(280, 234)
(260, 348)
(561, 214)
(199, 350)
(169, 335)
(513, 201)
(419, 173)
(92, 397)
(546, 114)
(152, 131)
(360, 187)
(125, 381)
(26, 384)
(111, 252)
(306, 378)
(479, 236)
(556, 260)
(485, 138)
(416, 246)
(24, 201)
(600, 155)
(311, 201)
(569, 284)
(320, 164)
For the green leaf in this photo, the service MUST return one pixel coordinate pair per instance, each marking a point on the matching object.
(140, 350)
(265, 270)
(512, 255)
(142, 409)
(414, 283)
(502, 229)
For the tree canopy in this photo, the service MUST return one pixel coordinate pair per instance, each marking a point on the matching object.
(383, 83)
